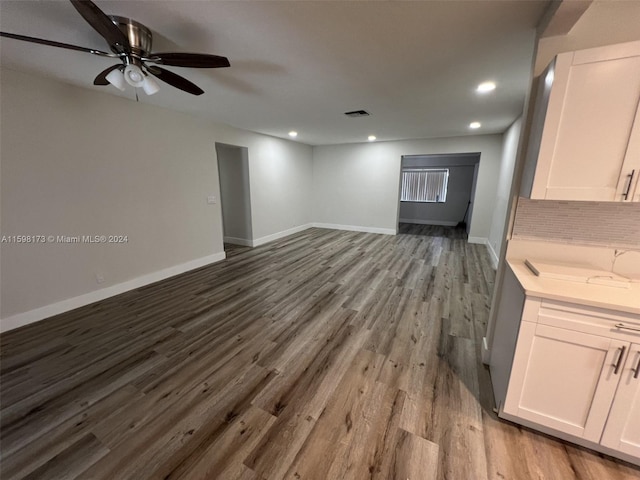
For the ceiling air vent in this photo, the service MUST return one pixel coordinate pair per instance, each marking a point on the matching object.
(357, 113)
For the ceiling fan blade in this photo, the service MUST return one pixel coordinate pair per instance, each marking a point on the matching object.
(175, 80)
(102, 24)
(193, 60)
(53, 43)
(101, 79)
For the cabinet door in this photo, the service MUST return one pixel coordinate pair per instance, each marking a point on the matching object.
(622, 431)
(564, 379)
(589, 121)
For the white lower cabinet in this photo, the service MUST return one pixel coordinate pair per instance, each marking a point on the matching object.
(576, 371)
(622, 431)
(563, 379)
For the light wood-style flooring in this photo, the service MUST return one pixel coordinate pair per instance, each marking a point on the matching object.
(325, 355)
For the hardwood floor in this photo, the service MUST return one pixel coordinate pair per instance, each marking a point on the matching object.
(324, 355)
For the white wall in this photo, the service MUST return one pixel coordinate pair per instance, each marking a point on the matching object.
(357, 185)
(497, 234)
(233, 167)
(76, 161)
(281, 179)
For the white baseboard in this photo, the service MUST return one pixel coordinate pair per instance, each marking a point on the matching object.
(285, 233)
(485, 241)
(238, 241)
(275, 236)
(478, 240)
(356, 228)
(47, 311)
(493, 255)
(428, 222)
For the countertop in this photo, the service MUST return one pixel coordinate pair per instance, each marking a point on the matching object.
(619, 299)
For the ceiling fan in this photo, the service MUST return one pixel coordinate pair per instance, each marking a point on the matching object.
(130, 42)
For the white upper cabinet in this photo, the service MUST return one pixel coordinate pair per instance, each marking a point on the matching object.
(585, 137)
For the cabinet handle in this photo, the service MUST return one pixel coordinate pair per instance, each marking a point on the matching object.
(626, 193)
(627, 327)
(636, 371)
(618, 363)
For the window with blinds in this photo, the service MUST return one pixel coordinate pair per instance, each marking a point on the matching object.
(424, 185)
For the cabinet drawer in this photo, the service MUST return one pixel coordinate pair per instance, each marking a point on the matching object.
(596, 321)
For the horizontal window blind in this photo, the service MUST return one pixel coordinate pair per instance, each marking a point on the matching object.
(424, 185)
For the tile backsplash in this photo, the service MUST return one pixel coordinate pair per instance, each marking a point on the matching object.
(609, 224)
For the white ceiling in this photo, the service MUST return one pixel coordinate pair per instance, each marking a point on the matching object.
(301, 64)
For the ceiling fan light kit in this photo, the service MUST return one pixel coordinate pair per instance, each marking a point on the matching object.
(116, 78)
(130, 42)
(150, 86)
(133, 75)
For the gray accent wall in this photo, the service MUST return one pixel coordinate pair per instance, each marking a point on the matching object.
(459, 191)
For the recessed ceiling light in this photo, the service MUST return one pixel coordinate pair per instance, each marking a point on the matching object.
(293, 133)
(475, 125)
(486, 87)
(371, 138)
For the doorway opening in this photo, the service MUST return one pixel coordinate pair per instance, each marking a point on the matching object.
(437, 193)
(235, 195)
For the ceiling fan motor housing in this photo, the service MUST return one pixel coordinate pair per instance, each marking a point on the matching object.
(139, 36)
